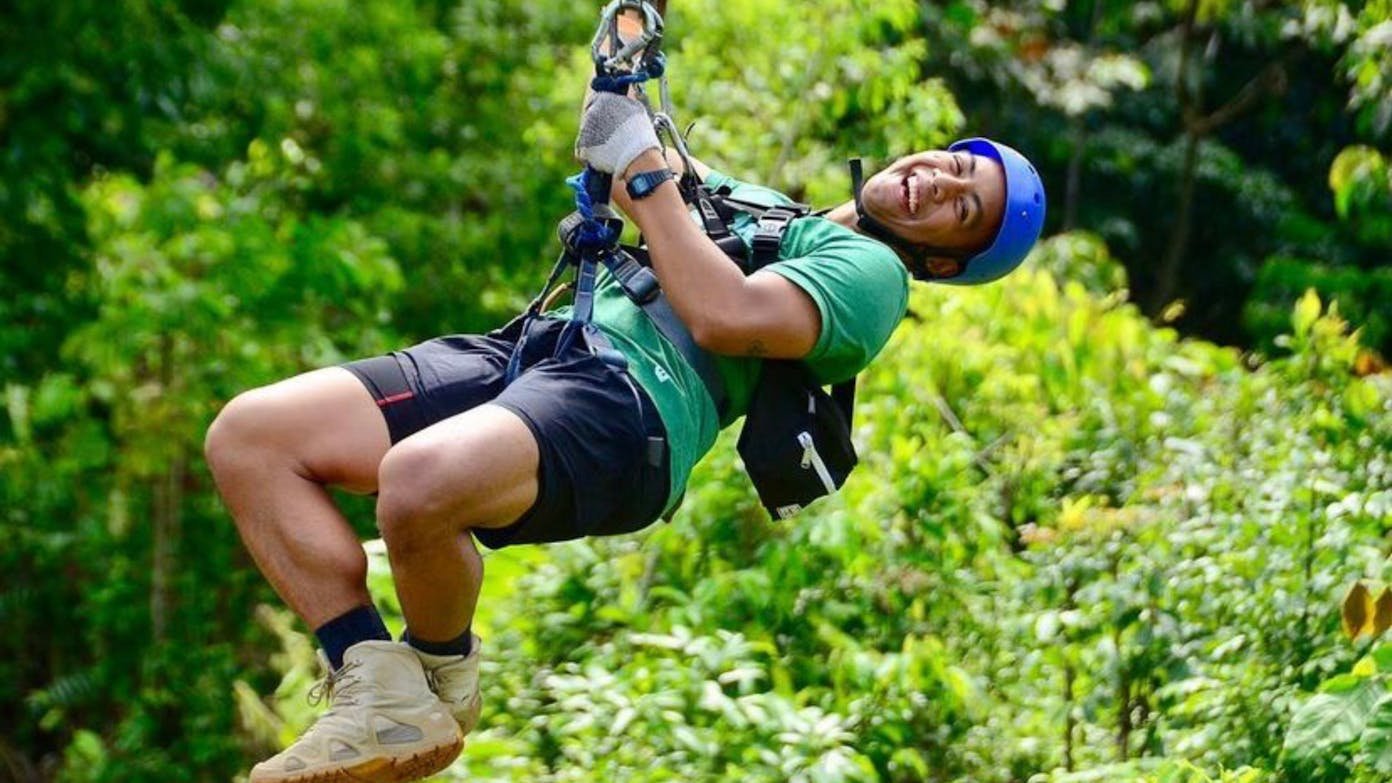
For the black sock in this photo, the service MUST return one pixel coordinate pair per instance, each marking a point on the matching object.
(355, 625)
(459, 645)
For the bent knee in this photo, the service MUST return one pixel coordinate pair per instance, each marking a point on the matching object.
(421, 494)
(323, 425)
(410, 491)
(242, 427)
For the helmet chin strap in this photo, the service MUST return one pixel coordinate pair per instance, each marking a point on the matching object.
(917, 254)
(878, 230)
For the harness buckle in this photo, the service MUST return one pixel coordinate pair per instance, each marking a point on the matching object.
(638, 282)
(642, 287)
(768, 235)
(579, 235)
(602, 348)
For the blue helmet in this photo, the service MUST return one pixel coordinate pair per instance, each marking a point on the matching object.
(1023, 220)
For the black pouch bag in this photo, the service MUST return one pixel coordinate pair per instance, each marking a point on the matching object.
(796, 441)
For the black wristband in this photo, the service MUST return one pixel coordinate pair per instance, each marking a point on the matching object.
(640, 186)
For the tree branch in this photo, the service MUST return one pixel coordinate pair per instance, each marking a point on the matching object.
(1270, 80)
(1186, 30)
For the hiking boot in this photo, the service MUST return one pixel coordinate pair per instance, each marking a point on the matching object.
(383, 725)
(455, 679)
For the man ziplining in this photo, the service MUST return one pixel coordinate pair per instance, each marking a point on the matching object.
(584, 420)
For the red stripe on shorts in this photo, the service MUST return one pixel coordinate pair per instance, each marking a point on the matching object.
(385, 401)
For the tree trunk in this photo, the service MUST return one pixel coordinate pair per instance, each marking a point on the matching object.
(1125, 689)
(1196, 125)
(1190, 107)
(1068, 722)
(1069, 675)
(1123, 703)
(1075, 173)
(1167, 279)
(1078, 126)
(168, 498)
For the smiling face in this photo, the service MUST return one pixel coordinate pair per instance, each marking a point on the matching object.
(951, 202)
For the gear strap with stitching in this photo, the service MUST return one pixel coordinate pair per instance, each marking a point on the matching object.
(717, 209)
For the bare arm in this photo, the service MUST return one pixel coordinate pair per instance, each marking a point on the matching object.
(762, 315)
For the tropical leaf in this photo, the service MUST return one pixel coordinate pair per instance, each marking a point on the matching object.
(1328, 722)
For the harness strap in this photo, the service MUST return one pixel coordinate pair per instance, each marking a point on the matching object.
(631, 268)
(717, 211)
(660, 312)
(584, 305)
(757, 210)
(773, 222)
(600, 345)
(715, 224)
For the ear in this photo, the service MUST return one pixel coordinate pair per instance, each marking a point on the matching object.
(940, 267)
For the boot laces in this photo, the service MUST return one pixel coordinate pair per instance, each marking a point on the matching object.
(336, 686)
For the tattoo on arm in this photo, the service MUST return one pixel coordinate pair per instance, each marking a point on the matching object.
(757, 349)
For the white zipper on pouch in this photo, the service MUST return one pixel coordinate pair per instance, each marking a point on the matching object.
(810, 457)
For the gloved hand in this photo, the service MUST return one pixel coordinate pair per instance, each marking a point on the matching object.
(613, 131)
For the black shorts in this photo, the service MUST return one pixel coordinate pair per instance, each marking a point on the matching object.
(604, 461)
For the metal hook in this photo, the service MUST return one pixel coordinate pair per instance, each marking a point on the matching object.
(620, 57)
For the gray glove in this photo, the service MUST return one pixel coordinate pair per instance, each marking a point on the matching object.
(613, 131)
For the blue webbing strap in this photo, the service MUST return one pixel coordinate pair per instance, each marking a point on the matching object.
(655, 447)
(582, 310)
(591, 239)
(514, 365)
(591, 234)
(583, 239)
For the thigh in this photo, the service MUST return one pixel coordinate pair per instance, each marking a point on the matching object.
(433, 381)
(477, 468)
(325, 421)
(572, 447)
(602, 463)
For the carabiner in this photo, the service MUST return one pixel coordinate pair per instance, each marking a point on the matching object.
(620, 57)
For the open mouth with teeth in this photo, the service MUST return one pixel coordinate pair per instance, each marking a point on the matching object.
(909, 196)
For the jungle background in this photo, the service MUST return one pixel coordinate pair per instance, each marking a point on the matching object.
(1108, 510)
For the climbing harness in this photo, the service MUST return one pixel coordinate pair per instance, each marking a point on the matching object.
(589, 236)
(796, 438)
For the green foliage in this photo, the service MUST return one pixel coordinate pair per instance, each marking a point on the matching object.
(1362, 183)
(1367, 64)
(1076, 543)
(846, 78)
(1362, 296)
(1195, 137)
(1344, 732)
(1080, 547)
(1151, 771)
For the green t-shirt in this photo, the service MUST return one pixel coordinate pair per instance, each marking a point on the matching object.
(859, 285)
